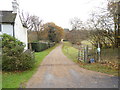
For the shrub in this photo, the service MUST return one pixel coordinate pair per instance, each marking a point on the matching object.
(40, 46)
(13, 56)
(27, 60)
(37, 47)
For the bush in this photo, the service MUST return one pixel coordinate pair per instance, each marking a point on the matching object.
(40, 46)
(27, 60)
(13, 56)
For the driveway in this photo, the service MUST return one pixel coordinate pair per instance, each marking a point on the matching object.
(57, 71)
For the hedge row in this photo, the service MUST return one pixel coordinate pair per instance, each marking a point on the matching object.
(40, 46)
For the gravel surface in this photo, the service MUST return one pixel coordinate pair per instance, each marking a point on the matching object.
(57, 71)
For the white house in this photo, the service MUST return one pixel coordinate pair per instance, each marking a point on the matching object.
(11, 23)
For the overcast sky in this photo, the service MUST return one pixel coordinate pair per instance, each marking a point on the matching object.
(57, 11)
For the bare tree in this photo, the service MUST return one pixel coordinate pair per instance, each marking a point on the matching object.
(32, 22)
(101, 26)
(114, 8)
(76, 23)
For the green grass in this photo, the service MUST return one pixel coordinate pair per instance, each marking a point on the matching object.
(71, 53)
(16, 80)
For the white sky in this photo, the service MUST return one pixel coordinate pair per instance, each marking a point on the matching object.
(57, 11)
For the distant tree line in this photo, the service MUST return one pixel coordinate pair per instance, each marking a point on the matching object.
(99, 28)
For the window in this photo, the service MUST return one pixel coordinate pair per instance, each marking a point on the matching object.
(0, 28)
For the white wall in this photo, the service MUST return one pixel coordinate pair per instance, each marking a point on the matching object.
(20, 31)
(26, 37)
(7, 28)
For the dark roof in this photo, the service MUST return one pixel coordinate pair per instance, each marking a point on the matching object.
(7, 16)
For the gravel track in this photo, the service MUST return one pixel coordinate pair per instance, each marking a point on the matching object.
(57, 71)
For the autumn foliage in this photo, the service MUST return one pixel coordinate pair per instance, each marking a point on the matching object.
(49, 32)
(54, 32)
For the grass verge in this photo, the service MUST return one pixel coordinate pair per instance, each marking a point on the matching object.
(18, 79)
(72, 54)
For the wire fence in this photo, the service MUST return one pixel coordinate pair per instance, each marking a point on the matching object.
(90, 55)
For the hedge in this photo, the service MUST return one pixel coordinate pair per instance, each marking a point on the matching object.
(40, 46)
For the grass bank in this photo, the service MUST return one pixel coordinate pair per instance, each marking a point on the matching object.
(72, 53)
(18, 79)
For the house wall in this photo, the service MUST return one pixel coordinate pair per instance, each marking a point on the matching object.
(20, 31)
(7, 28)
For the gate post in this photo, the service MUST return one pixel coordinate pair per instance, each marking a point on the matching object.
(86, 53)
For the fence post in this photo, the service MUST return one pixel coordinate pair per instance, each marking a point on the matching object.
(79, 53)
(86, 53)
(98, 52)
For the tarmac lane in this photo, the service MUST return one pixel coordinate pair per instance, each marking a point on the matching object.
(57, 71)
